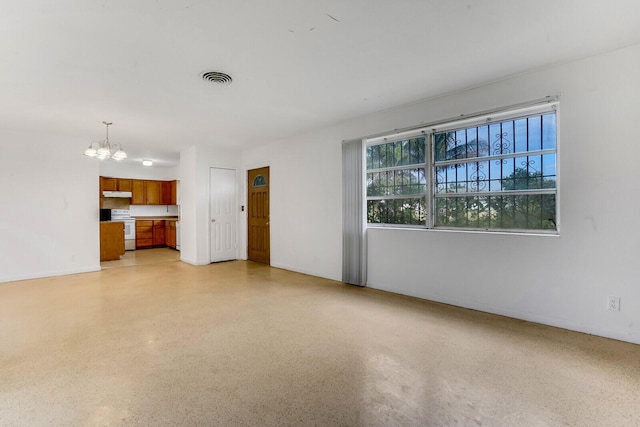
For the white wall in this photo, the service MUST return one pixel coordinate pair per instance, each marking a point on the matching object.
(195, 165)
(188, 206)
(49, 213)
(562, 281)
(305, 202)
(153, 210)
(131, 169)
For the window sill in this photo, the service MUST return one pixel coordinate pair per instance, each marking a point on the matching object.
(550, 233)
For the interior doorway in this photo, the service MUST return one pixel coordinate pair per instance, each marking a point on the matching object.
(223, 215)
(258, 216)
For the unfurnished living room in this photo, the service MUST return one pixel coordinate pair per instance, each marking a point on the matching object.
(321, 213)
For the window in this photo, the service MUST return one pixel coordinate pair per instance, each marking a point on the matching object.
(488, 173)
(259, 181)
(396, 182)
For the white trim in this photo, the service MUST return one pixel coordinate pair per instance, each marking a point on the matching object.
(618, 334)
(430, 176)
(51, 273)
(236, 210)
(397, 137)
(397, 196)
(397, 168)
(495, 231)
(533, 191)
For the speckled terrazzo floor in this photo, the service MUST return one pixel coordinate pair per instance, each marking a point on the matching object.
(239, 343)
(143, 257)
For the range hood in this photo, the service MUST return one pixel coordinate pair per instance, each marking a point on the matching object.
(124, 194)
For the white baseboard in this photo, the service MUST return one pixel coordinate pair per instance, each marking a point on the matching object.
(529, 317)
(54, 273)
(303, 271)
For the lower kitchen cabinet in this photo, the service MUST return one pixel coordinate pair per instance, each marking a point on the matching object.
(170, 234)
(150, 233)
(158, 233)
(144, 234)
(111, 240)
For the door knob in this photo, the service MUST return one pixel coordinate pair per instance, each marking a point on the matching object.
(213, 220)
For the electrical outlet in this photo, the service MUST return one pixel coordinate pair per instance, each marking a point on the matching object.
(613, 303)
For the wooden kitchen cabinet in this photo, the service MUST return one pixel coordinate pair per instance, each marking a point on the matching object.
(143, 191)
(165, 193)
(138, 192)
(111, 240)
(173, 200)
(150, 233)
(144, 234)
(159, 238)
(170, 234)
(153, 192)
(108, 184)
(124, 184)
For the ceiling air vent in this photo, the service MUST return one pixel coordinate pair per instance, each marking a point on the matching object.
(216, 77)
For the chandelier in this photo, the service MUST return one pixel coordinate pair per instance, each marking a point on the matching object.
(104, 150)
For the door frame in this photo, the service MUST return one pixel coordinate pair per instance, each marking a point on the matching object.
(209, 213)
(245, 208)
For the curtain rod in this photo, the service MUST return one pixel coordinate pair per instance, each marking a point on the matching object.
(540, 101)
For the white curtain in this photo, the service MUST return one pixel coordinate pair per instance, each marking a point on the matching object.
(354, 257)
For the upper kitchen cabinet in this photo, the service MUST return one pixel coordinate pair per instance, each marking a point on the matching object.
(108, 184)
(143, 191)
(124, 184)
(174, 193)
(165, 193)
(154, 189)
(138, 192)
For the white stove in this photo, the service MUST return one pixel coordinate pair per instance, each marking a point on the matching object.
(123, 215)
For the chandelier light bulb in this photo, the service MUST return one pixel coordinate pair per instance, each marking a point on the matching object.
(90, 151)
(104, 149)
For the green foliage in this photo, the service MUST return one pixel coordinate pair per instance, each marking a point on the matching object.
(396, 211)
(502, 211)
(397, 153)
(536, 211)
(396, 182)
(522, 179)
(446, 147)
(409, 181)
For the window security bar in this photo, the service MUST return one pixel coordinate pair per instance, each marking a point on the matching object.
(493, 157)
(497, 193)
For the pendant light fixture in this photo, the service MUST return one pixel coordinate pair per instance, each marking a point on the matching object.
(104, 150)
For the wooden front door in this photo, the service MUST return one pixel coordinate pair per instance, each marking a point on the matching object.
(258, 215)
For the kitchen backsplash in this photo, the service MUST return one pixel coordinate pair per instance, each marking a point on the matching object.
(115, 203)
(153, 210)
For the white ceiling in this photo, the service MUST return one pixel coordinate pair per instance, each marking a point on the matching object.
(297, 65)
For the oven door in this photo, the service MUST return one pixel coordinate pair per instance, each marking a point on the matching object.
(130, 234)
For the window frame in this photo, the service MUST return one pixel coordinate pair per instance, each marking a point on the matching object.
(548, 105)
(424, 194)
